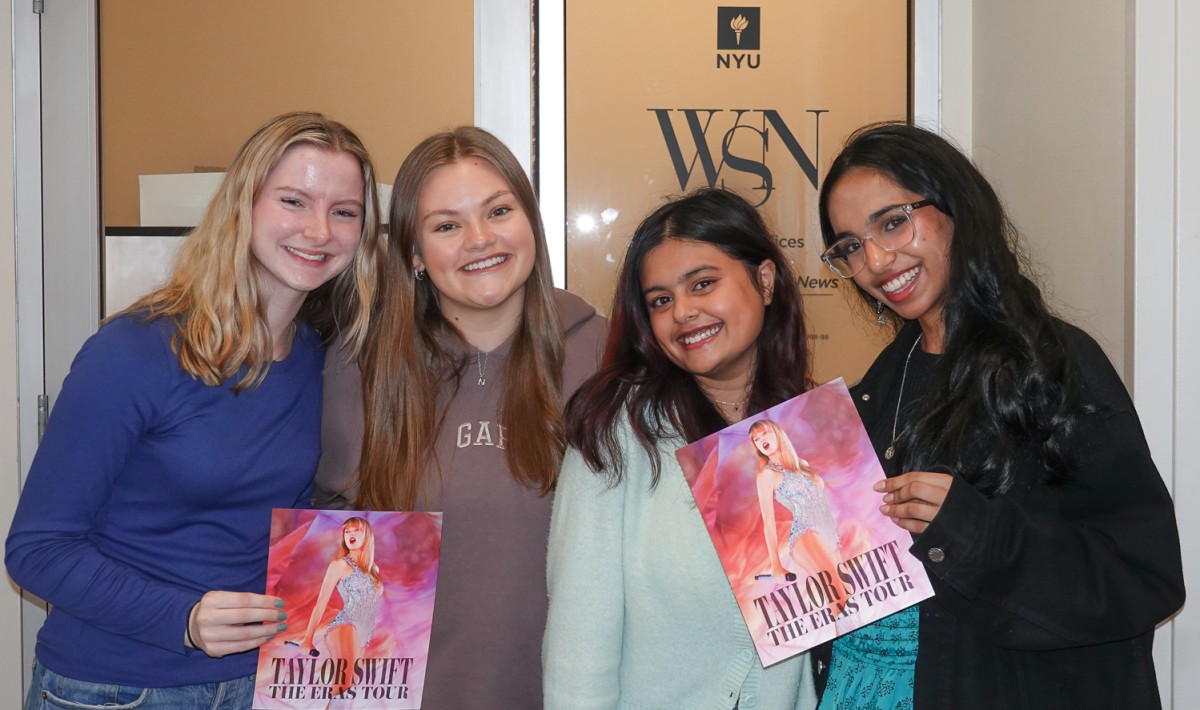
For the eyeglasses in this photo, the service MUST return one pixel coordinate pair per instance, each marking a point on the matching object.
(890, 230)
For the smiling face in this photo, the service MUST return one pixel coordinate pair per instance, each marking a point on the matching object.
(912, 280)
(475, 241)
(706, 311)
(306, 224)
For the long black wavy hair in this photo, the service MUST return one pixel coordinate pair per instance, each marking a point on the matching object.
(636, 376)
(1007, 375)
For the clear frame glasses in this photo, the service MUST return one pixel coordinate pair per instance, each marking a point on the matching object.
(891, 229)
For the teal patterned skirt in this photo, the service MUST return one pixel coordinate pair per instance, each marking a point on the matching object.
(873, 667)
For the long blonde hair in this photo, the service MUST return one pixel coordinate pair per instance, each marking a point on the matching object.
(405, 365)
(213, 289)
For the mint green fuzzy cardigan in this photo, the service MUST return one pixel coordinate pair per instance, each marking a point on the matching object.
(641, 613)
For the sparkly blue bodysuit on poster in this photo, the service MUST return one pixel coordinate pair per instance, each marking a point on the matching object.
(360, 600)
(807, 503)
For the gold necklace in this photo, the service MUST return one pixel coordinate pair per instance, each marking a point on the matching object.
(891, 449)
(735, 406)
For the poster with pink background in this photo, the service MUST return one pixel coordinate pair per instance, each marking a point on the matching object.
(370, 636)
(830, 562)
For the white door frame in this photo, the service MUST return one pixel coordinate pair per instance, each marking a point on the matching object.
(504, 74)
(1166, 316)
(27, 203)
(57, 216)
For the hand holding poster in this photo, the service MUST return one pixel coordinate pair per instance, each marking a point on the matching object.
(358, 588)
(787, 498)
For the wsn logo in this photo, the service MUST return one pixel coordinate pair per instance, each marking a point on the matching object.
(757, 125)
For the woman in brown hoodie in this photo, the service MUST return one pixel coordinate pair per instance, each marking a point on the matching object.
(462, 384)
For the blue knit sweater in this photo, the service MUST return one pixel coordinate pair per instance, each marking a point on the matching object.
(151, 488)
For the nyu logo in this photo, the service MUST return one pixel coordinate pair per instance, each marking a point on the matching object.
(757, 125)
(738, 30)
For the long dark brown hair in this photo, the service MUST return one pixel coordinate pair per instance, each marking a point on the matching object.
(407, 368)
(1007, 374)
(638, 379)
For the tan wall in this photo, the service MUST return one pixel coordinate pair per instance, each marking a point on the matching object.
(183, 83)
(854, 70)
(10, 598)
(1050, 130)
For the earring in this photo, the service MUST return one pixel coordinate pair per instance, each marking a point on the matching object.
(418, 274)
(879, 317)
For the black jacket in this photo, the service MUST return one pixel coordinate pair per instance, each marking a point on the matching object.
(1046, 596)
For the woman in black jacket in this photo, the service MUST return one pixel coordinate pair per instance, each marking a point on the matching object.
(1013, 455)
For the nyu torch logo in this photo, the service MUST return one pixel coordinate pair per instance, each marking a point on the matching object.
(738, 24)
(738, 30)
(708, 139)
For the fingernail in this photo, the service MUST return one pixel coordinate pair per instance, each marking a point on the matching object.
(879, 485)
(271, 637)
(282, 628)
(882, 509)
(282, 615)
(279, 603)
(887, 497)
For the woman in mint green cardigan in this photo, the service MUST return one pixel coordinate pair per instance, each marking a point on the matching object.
(707, 327)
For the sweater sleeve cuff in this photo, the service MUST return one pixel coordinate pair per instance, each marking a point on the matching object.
(178, 625)
(949, 543)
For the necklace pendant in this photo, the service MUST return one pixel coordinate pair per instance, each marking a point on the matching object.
(481, 359)
(891, 451)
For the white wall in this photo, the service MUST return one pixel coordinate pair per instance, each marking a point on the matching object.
(1050, 133)
(957, 73)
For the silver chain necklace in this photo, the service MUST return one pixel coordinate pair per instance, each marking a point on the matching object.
(481, 359)
(891, 450)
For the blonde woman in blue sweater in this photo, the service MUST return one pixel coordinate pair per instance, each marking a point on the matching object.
(147, 511)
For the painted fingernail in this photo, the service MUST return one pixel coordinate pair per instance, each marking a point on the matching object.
(271, 637)
(282, 628)
(282, 615)
(279, 603)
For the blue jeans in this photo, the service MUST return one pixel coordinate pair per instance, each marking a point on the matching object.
(51, 691)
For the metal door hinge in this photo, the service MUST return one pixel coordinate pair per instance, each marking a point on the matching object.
(43, 409)
(39, 6)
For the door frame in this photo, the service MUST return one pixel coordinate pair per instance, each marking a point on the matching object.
(57, 220)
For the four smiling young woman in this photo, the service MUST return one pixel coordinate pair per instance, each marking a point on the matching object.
(1013, 454)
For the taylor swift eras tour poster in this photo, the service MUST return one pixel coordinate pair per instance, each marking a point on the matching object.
(358, 588)
(787, 498)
